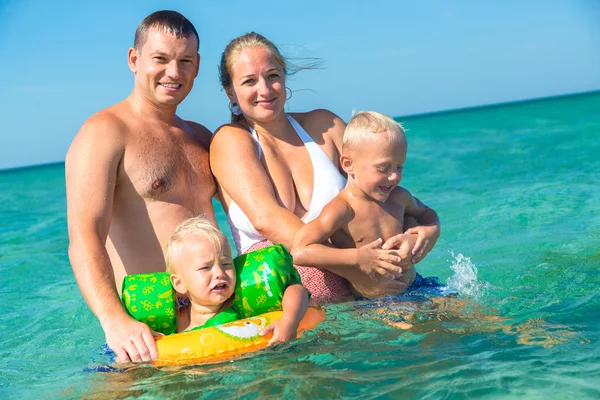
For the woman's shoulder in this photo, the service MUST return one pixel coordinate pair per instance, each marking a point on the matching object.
(228, 134)
(235, 129)
(323, 124)
(318, 116)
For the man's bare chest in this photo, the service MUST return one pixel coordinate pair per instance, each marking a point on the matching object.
(159, 166)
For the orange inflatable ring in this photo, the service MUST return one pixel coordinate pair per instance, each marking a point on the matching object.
(227, 341)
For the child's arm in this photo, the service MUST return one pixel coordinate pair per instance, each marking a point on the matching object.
(309, 246)
(295, 303)
(428, 230)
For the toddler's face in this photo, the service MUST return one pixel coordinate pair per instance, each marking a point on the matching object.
(378, 166)
(206, 270)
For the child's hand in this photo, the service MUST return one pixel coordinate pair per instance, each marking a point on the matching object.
(427, 237)
(375, 262)
(404, 245)
(284, 330)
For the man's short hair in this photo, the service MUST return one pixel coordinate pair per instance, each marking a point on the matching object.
(168, 21)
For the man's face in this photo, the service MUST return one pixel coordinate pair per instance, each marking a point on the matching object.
(165, 67)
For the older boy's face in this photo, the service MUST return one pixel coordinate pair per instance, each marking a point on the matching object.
(378, 166)
(206, 270)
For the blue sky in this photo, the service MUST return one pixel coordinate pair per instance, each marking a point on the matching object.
(62, 61)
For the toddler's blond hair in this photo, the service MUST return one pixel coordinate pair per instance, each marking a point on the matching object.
(365, 123)
(200, 226)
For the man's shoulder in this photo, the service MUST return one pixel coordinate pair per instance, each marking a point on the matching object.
(106, 128)
(201, 133)
(109, 122)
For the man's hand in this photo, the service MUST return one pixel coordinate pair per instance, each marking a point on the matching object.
(377, 263)
(131, 340)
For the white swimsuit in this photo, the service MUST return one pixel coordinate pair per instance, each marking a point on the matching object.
(327, 183)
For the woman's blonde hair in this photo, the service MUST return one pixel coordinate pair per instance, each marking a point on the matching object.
(253, 40)
(365, 123)
(194, 226)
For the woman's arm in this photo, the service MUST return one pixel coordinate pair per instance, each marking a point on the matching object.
(234, 162)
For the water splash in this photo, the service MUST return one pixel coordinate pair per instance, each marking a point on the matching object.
(464, 280)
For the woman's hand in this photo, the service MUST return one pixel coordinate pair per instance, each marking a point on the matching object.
(378, 263)
(427, 236)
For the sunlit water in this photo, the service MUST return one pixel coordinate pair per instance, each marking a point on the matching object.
(517, 189)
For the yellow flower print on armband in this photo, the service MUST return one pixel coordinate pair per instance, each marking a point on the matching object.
(147, 305)
(262, 299)
(147, 290)
(165, 281)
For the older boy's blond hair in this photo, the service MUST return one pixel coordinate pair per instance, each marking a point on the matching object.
(366, 123)
(194, 226)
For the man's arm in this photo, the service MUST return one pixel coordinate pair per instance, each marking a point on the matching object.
(91, 178)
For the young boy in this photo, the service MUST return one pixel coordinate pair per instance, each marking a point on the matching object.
(370, 209)
(201, 267)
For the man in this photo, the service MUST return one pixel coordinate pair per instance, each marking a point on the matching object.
(134, 171)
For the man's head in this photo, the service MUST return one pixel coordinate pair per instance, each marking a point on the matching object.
(166, 21)
(373, 153)
(164, 58)
(200, 263)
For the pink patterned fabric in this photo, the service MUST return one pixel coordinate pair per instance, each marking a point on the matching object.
(324, 286)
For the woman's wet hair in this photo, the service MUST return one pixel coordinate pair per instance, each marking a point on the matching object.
(366, 123)
(253, 40)
(168, 21)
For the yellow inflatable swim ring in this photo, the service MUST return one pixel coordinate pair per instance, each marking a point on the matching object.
(227, 341)
(261, 279)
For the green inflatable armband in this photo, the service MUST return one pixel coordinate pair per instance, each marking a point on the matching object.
(262, 277)
(149, 298)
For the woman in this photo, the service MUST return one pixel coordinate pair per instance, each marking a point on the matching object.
(276, 171)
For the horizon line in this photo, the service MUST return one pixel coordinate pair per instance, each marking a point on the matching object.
(500, 104)
(408, 116)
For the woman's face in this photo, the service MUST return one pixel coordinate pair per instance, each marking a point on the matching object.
(258, 84)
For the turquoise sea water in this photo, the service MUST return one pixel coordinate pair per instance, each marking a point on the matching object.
(517, 190)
